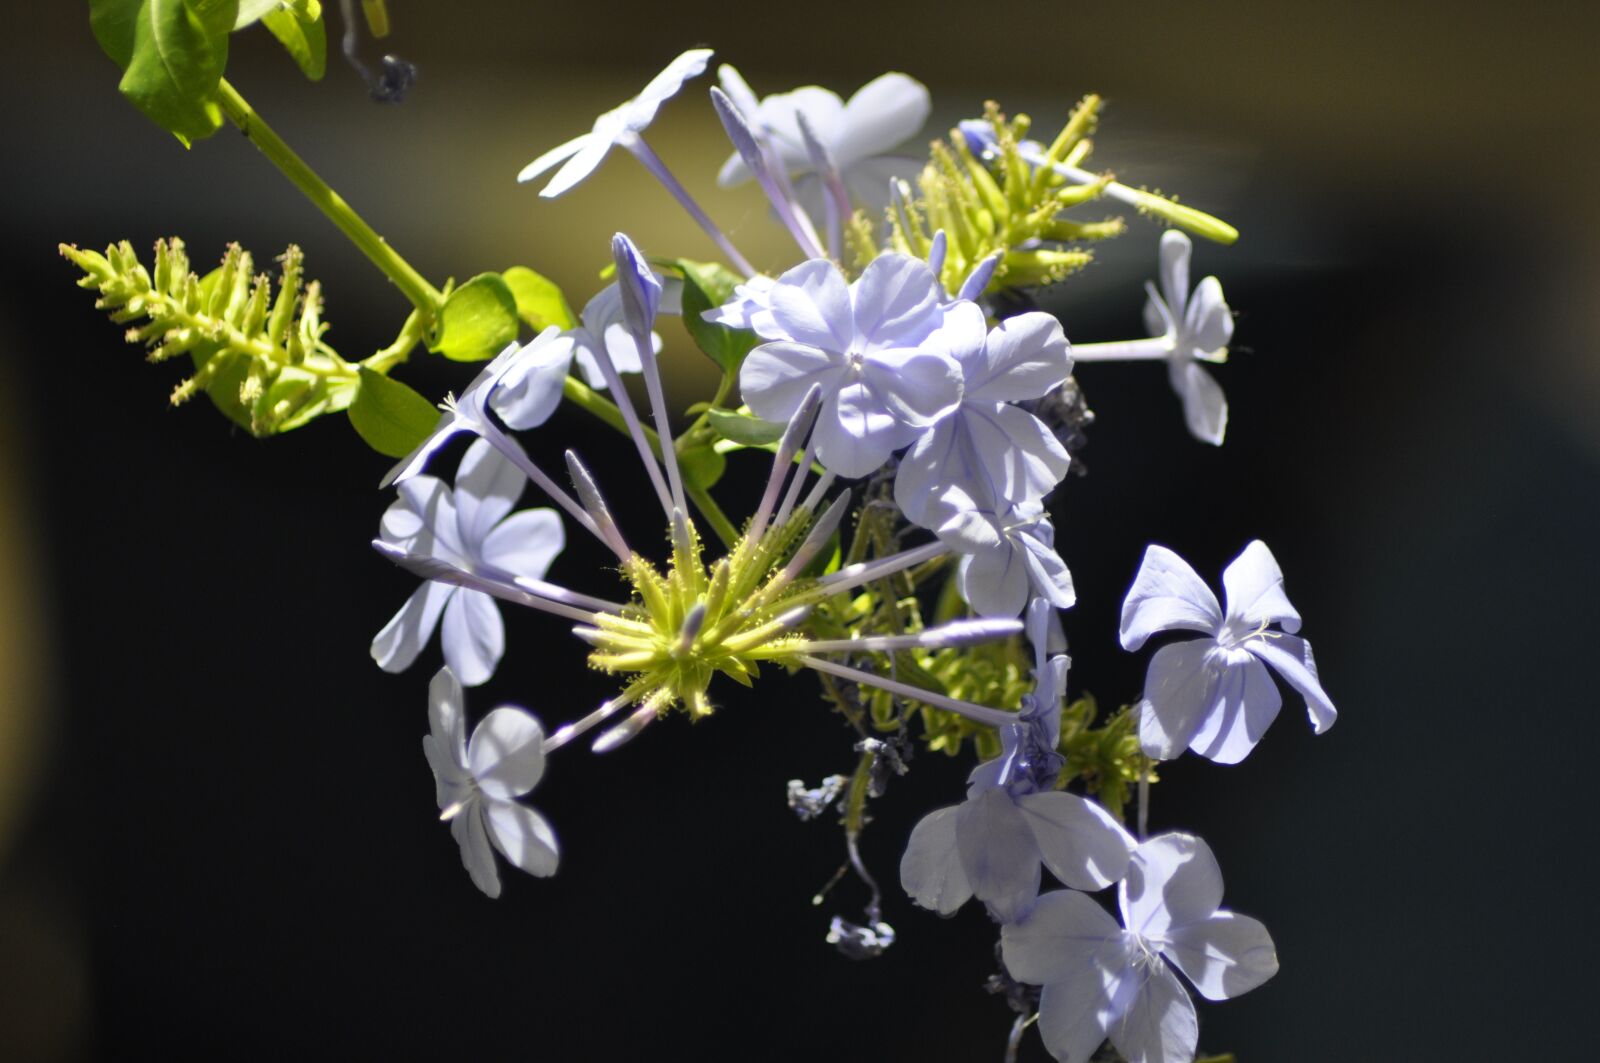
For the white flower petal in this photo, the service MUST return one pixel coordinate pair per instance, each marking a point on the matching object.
(1157, 318)
(523, 836)
(854, 433)
(779, 115)
(471, 833)
(883, 114)
(1062, 935)
(1024, 358)
(1159, 1025)
(1048, 574)
(1291, 658)
(591, 154)
(998, 853)
(930, 870)
(555, 155)
(530, 391)
(487, 487)
(776, 377)
(995, 580)
(506, 753)
(1253, 587)
(1205, 407)
(1224, 955)
(811, 304)
(665, 85)
(918, 386)
(1173, 880)
(1079, 841)
(868, 181)
(1247, 703)
(942, 456)
(1028, 458)
(525, 543)
(423, 520)
(447, 714)
(1180, 689)
(1166, 594)
(473, 636)
(1074, 1013)
(1175, 251)
(402, 638)
(1208, 324)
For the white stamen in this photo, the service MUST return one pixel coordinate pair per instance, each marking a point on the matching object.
(625, 731)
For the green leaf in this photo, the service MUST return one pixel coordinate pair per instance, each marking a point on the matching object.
(707, 285)
(477, 320)
(390, 416)
(539, 300)
(306, 41)
(702, 466)
(252, 11)
(172, 54)
(742, 428)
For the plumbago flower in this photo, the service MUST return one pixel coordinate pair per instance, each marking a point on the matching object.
(862, 345)
(858, 136)
(477, 783)
(1213, 694)
(471, 528)
(1186, 329)
(1104, 980)
(992, 845)
(619, 126)
(1008, 554)
(995, 453)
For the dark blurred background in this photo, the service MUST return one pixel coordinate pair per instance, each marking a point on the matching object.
(217, 831)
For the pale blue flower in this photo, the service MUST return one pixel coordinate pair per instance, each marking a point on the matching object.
(1214, 694)
(861, 344)
(1013, 822)
(1008, 554)
(997, 454)
(1101, 980)
(617, 127)
(477, 783)
(473, 529)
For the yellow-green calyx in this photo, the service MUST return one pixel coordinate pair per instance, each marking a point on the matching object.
(685, 626)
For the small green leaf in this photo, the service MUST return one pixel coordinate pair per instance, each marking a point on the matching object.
(477, 320)
(172, 54)
(702, 466)
(539, 300)
(390, 416)
(742, 428)
(252, 11)
(306, 41)
(707, 285)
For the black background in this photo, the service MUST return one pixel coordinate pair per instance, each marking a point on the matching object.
(219, 833)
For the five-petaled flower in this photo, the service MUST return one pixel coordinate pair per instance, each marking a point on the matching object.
(470, 529)
(863, 344)
(477, 783)
(1198, 328)
(1101, 980)
(1213, 694)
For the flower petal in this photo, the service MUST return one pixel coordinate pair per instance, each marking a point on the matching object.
(1048, 574)
(530, 391)
(473, 637)
(1208, 324)
(896, 302)
(506, 753)
(1027, 457)
(930, 870)
(1291, 658)
(423, 520)
(1159, 1025)
(1205, 407)
(523, 836)
(1074, 1013)
(580, 166)
(943, 456)
(471, 833)
(1173, 880)
(487, 487)
(1079, 841)
(1175, 251)
(854, 433)
(995, 580)
(776, 377)
(1024, 357)
(1166, 594)
(998, 853)
(447, 714)
(1253, 587)
(548, 160)
(402, 638)
(868, 181)
(1247, 703)
(919, 387)
(665, 85)
(811, 304)
(1061, 935)
(1180, 689)
(525, 543)
(1224, 955)
(882, 114)
(780, 114)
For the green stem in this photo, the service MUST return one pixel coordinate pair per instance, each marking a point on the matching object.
(424, 296)
(580, 394)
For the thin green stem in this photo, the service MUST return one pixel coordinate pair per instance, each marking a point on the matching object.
(585, 397)
(424, 296)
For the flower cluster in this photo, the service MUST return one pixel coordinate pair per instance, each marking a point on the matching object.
(916, 426)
